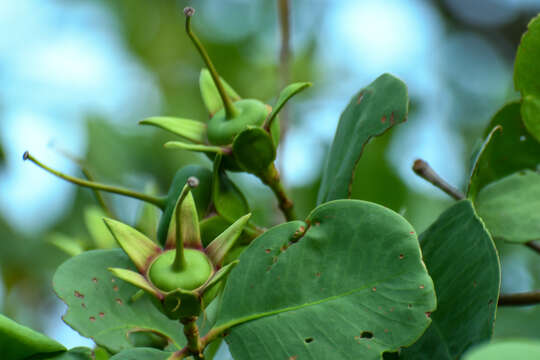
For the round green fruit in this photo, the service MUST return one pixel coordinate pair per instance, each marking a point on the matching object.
(221, 131)
(197, 271)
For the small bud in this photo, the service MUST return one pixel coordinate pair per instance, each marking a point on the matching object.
(189, 11)
(25, 156)
(192, 182)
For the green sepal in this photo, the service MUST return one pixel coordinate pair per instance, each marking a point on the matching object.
(211, 227)
(530, 112)
(254, 150)
(136, 279)
(284, 96)
(229, 201)
(18, 342)
(93, 218)
(189, 223)
(218, 249)
(208, 149)
(140, 249)
(210, 94)
(191, 130)
(201, 194)
(211, 288)
(181, 303)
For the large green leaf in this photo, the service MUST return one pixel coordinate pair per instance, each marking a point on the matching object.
(509, 151)
(348, 283)
(505, 350)
(371, 112)
(20, 342)
(526, 68)
(510, 207)
(463, 262)
(100, 306)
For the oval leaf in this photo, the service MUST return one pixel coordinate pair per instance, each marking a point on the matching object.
(509, 151)
(463, 262)
(100, 306)
(526, 69)
(349, 283)
(371, 112)
(510, 207)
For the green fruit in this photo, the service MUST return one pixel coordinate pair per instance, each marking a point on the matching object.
(221, 131)
(197, 271)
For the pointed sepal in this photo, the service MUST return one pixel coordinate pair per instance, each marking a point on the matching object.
(136, 279)
(220, 246)
(189, 223)
(191, 130)
(284, 96)
(210, 94)
(208, 149)
(211, 288)
(140, 249)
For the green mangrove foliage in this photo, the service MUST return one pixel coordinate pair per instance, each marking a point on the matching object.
(353, 280)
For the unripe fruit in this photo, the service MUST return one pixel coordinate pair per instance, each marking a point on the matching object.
(221, 131)
(166, 278)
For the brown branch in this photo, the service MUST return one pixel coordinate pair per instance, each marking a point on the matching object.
(422, 169)
(520, 299)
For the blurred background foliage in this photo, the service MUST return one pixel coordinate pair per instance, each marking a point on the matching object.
(78, 75)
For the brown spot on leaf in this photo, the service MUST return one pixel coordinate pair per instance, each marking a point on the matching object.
(474, 284)
(79, 295)
(374, 289)
(101, 314)
(92, 318)
(83, 305)
(421, 286)
(115, 287)
(410, 306)
(412, 233)
(383, 119)
(428, 314)
(318, 274)
(119, 301)
(112, 280)
(401, 256)
(267, 251)
(392, 118)
(94, 280)
(294, 357)
(386, 330)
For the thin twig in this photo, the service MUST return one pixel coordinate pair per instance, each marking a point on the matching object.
(191, 331)
(520, 299)
(422, 169)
